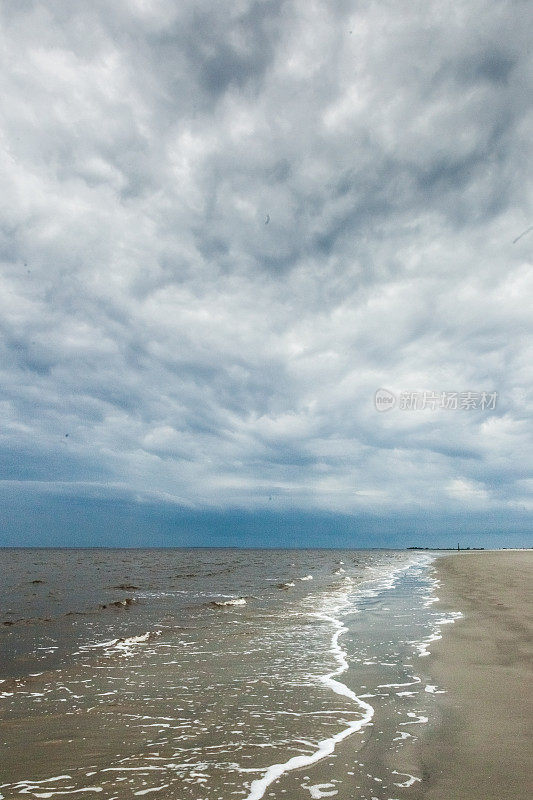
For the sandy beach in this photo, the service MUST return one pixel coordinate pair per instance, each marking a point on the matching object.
(484, 748)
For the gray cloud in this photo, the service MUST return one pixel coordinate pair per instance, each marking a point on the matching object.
(224, 226)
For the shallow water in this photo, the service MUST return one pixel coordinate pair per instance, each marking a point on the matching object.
(214, 674)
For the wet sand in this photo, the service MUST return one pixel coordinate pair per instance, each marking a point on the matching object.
(483, 750)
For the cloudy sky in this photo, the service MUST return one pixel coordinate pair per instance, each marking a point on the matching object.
(225, 225)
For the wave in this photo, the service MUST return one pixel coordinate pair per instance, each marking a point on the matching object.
(129, 587)
(123, 643)
(25, 621)
(234, 601)
(325, 747)
(382, 580)
(423, 646)
(128, 601)
(140, 639)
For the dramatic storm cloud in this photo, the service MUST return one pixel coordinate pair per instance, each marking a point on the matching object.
(224, 226)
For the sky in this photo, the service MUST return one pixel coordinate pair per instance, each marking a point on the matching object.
(224, 226)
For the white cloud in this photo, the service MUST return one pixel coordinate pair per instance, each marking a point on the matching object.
(467, 491)
(223, 227)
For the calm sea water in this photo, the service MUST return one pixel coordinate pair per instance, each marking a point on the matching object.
(214, 674)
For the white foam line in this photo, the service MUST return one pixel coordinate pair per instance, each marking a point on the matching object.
(236, 601)
(399, 685)
(326, 746)
(44, 780)
(318, 713)
(317, 791)
(122, 644)
(410, 779)
(433, 689)
(423, 646)
(417, 719)
(133, 769)
(47, 795)
(403, 735)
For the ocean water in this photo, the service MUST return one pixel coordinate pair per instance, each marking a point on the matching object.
(210, 674)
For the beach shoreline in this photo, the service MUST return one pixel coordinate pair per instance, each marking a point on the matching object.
(438, 710)
(482, 748)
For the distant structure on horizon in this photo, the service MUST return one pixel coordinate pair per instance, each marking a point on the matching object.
(416, 547)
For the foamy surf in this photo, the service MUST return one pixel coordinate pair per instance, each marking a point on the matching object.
(129, 641)
(327, 746)
(383, 580)
(320, 790)
(423, 647)
(123, 643)
(234, 601)
(280, 671)
(411, 779)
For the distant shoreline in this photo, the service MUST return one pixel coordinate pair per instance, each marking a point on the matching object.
(266, 547)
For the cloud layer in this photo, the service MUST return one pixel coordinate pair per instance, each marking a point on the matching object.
(225, 225)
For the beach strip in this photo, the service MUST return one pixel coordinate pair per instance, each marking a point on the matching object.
(484, 748)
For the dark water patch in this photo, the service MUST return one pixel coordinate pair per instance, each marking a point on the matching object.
(26, 621)
(127, 587)
(126, 603)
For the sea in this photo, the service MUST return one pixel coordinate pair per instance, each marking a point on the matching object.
(216, 674)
